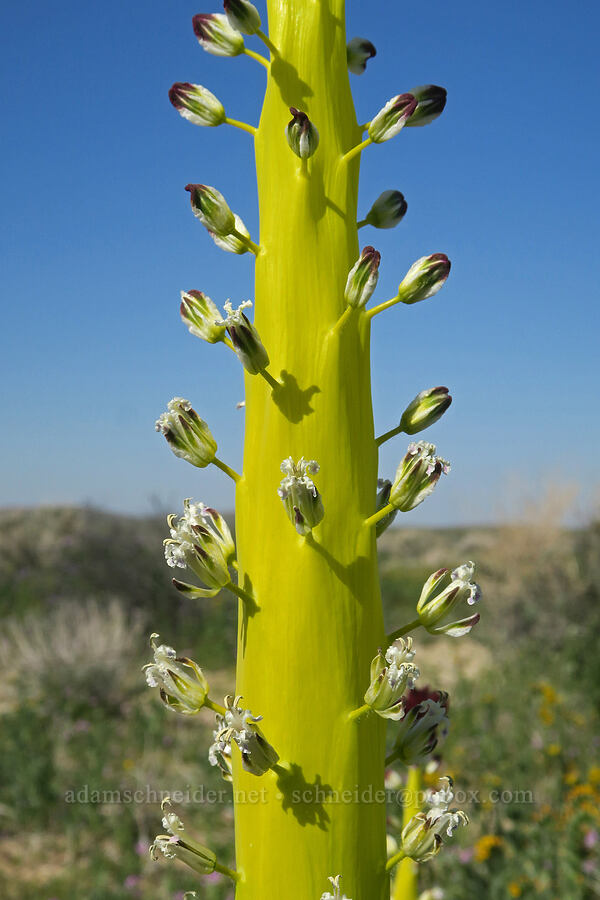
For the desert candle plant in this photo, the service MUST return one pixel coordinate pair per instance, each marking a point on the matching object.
(313, 659)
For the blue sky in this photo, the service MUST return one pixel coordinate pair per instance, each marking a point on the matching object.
(98, 240)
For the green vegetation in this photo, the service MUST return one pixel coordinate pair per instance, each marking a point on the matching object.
(80, 592)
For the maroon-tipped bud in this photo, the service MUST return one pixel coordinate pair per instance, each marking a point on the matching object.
(389, 209)
(242, 15)
(362, 278)
(431, 100)
(425, 278)
(301, 134)
(358, 52)
(426, 408)
(196, 104)
(392, 118)
(209, 205)
(216, 35)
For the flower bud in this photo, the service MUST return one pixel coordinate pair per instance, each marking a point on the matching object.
(301, 134)
(392, 118)
(216, 36)
(200, 541)
(424, 278)
(299, 494)
(422, 835)
(358, 52)
(424, 726)
(236, 242)
(209, 205)
(181, 682)
(441, 593)
(362, 278)
(245, 338)
(417, 476)
(179, 845)
(431, 101)
(196, 104)
(201, 315)
(425, 409)
(239, 725)
(337, 891)
(384, 487)
(242, 15)
(389, 209)
(391, 674)
(187, 434)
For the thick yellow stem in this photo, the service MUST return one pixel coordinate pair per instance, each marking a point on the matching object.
(303, 658)
(406, 879)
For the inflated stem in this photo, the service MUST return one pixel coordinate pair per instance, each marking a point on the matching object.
(304, 657)
(405, 884)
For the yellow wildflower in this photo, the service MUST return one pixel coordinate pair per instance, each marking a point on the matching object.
(485, 845)
(594, 775)
(547, 692)
(546, 714)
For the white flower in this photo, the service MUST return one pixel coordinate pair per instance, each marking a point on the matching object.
(245, 338)
(426, 452)
(297, 474)
(181, 682)
(392, 674)
(188, 435)
(299, 494)
(422, 835)
(176, 846)
(239, 725)
(337, 891)
(464, 574)
(201, 541)
(417, 475)
(234, 316)
(441, 593)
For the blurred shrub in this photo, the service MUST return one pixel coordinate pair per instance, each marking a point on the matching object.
(72, 658)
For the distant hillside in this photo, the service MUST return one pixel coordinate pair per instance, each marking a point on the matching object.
(50, 554)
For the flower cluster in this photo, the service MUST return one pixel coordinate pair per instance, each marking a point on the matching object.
(188, 435)
(417, 475)
(422, 835)
(177, 844)
(299, 494)
(180, 681)
(441, 593)
(201, 541)
(240, 726)
(392, 673)
(245, 338)
(423, 728)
